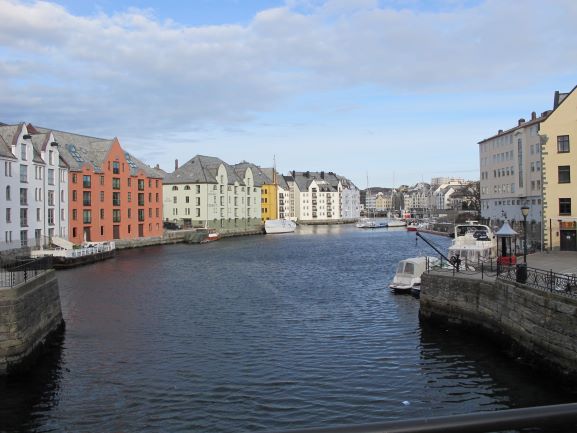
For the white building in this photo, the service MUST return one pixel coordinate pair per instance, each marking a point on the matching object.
(34, 199)
(208, 191)
(441, 197)
(510, 166)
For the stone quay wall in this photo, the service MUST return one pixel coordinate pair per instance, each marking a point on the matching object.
(540, 326)
(30, 315)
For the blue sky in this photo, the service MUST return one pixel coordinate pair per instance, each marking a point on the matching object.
(399, 91)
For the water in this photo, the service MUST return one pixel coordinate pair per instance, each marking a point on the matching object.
(257, 333)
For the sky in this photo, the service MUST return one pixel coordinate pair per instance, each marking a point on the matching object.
(383, 92)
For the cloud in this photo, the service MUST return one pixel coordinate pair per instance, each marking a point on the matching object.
(130, 73)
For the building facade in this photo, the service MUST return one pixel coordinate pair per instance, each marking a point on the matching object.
(510, 169)
(111, 194)
(206, 191)
(34, 179)
(559, 136)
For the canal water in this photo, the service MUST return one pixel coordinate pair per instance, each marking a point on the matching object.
(260, 333)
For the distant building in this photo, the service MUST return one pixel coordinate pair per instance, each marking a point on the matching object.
(206, 191)
(322, 197)
(559, 136)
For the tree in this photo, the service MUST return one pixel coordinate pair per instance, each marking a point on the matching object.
(472, 196)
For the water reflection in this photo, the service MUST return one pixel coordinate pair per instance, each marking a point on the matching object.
(26, 398)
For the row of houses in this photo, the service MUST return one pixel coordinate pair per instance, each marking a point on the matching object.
(206, 191)
(441, 194)
(529, 165)
(88, 189)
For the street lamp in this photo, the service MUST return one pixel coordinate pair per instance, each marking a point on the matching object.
(525, 212)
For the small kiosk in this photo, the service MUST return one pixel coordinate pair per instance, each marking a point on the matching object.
(505, 241)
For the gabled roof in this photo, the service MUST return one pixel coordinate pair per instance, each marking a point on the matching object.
(202, 169)
(5, 149)
(10, 134)
(259, 176)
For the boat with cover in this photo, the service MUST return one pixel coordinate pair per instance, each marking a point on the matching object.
(407, 278)
(279, 226)
(473, 244)
(370, 223)
(396, 223)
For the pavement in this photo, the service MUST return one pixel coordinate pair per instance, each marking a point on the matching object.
(563, 262)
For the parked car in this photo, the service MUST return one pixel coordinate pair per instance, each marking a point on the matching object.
(170, 225)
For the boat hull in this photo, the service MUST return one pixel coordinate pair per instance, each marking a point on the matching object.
(279, 226)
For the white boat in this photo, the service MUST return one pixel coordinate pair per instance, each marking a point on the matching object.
(396, 223)
(279, 226)
(370, 223)
(473, 244)
(407, 278)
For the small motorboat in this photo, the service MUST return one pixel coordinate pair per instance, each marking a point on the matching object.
(407, 278)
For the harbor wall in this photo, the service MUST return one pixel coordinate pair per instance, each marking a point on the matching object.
(30, 315)
(535, 326)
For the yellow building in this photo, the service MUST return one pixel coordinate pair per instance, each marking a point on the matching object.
(559, 151)
(269, 197)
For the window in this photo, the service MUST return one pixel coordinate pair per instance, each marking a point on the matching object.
(23, 173)
(101, 196)
(129, 213)
(186, 199)
(115, 199)
(140, 214)
(129, 197)
(74, 214)
(7, 168)
(8, 198)
(23, 197)
(101, 180)
(62, 215)
(129, 182)
(86, 199)
(86, 182)
(74, 178)
(23, 152)
(101, 214)
(198, 201)
(86, 216)
(115, 183)
(50, 198)
(564, 173)
(115, 167)
(51, 216)
(562, 143)
(564, 206)
(8, 215)
(141, 199)
(198, 212)
(23, 217)
(198, 189)
(116, 215)
(50, 176)
(74, 195)
(141, 184)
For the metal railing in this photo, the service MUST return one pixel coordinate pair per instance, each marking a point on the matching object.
(20, 271)
(540, 279)
(480, 422)
(482, 268)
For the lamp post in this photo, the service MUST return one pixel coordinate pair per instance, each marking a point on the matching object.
(525, 212)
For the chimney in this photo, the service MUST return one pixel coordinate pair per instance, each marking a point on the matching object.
(533, 115)
(176, 164)
(521, 121)
(157, 166)
(500, 131)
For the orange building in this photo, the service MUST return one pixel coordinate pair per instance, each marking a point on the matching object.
(112, 195)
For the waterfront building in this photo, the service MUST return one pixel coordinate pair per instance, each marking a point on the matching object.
(206, 191)
(270, 205)
(558, 134)
(510, 171)
(417, 198)
(34, 179)
(441, 196)
(322, 197)
(111, 194)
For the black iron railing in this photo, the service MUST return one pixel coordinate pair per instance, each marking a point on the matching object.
(22, 270)
(540, 279)
(481, 422)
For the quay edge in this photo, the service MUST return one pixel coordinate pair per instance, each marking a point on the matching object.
(536, 327)
(30, 320)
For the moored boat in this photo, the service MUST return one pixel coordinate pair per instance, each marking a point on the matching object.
(279, 226)
(396, 223)
(407, 278)
(473, 244)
